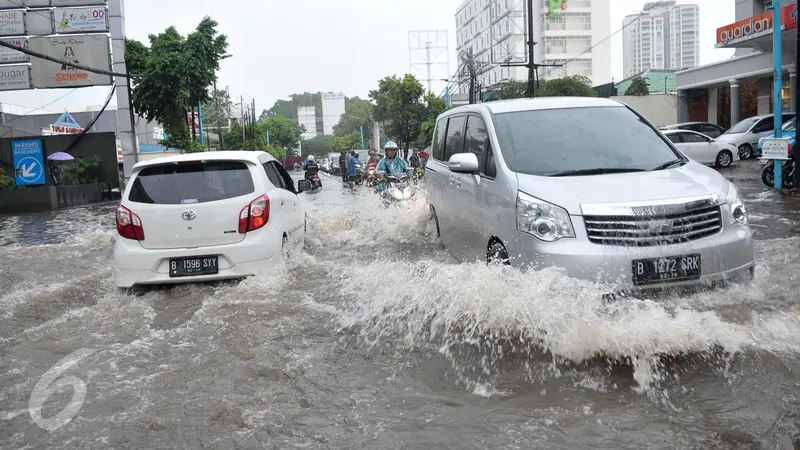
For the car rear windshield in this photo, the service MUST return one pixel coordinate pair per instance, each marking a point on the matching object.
(547, 142)
(742, 126)
(788, 126)
(191, 182)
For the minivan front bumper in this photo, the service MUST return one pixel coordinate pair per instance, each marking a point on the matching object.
(726, 256)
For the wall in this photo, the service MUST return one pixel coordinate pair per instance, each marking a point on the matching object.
(102, 145)
(46, 198)
(659, 109)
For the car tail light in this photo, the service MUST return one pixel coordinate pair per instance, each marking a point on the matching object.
(255, 215)
(129, 225)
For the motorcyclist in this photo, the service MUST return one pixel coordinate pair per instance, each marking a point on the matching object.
(413, 160)
(343, 164)
(352, 160)
(391, 164)
(311, 167)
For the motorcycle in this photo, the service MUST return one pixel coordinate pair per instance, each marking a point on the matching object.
(398, 190)
(787, 174)
(316, 182)
(360, 175)
(372, 178)
(416, 175)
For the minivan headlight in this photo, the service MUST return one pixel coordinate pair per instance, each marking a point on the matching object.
(544, 220)
(736, 208)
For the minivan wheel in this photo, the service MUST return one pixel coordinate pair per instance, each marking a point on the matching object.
(497, 254)
(724, 159)
(745, 151)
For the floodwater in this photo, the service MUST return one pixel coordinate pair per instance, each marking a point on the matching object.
(374, 338)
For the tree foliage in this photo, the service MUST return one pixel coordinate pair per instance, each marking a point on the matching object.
(572, 86)
(283, 136)
(400, 107)
(638, 87)
(179, 70)
(357, 113)
(6, 182)
(433, 106)
(346, 142)
(283, 132)
(319, 146)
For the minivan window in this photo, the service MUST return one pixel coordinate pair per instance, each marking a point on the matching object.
(455, 137)
(742, 126)
(437, 147)
(477, 141)
(549, 142)
(191, 182)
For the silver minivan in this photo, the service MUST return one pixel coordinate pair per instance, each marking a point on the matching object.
(585, 184)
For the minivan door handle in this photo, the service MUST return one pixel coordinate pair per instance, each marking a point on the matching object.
(281, 202)
(452, 180)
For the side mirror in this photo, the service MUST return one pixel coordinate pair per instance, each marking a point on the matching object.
(303, 185)
(463, 163)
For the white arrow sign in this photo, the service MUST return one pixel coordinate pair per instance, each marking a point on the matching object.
(26, 171)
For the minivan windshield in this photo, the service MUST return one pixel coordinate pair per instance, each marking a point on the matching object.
(742, 126)
(191, 182)
(605, 139)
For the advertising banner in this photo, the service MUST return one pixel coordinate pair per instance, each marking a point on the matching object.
(80, 20)
(88, 50)
(31, 3)
(64, 3)
(8, 55)
(13, 78)
(12, 22)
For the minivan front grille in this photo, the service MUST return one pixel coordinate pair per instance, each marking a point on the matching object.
(647, 231)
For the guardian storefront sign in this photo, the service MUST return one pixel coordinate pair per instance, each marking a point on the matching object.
(87, 50)
(12, 22)
(13, 78)
(756, 26)
(80, 20)
(8, 55)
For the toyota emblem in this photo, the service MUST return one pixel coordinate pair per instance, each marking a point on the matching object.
(188, 215)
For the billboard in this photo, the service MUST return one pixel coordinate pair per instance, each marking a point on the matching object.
(87, 50)
(13, 78)
(80, 20)
(12, 22)
(8, 55)
(72, 2)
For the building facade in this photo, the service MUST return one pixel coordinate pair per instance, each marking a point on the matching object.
(714, 92)
(664, 36)
(332, 110)
(307, 118)
(569, 34)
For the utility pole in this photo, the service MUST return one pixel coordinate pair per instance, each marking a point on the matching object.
(796, 100)
(219, 112)
(241, 111)
(427, 58)
(531, 63)
(777, 77)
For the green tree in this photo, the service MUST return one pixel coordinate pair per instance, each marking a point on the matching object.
(400, 107)
(346, 142)
(357, 113)
(179, 70)
(6, 182)
(510, 89)
(319, 146)
(283, 132)
(433, 107)
(84, 170)
(216, 113)
(572, 86)
(637, 87)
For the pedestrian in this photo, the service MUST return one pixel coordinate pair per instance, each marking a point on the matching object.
(343, 165)
(352, 160)
(55, 171)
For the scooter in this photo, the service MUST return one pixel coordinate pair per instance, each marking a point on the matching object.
(360, 175)
(397, 191)
(316, 182)
(787, 174)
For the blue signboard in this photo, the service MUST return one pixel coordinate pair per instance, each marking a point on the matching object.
(28, 162)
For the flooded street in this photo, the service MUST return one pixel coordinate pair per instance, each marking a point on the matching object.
(374, 338)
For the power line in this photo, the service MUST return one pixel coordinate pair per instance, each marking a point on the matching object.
(588, 50)
(33, 110)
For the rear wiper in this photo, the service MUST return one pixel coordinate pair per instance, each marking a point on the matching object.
(598, 171)
(667, 165)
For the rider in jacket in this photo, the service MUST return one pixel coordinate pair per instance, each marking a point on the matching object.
(391, 164)
(310, 167)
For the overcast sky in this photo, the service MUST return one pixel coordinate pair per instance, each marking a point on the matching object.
(285, 47)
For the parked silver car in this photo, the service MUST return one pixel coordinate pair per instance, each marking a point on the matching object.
(585, 184)
(745, 134)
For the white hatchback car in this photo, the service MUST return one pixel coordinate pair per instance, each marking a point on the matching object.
(702, 148)
(205, 217)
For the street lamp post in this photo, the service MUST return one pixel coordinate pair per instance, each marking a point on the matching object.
(216, 98)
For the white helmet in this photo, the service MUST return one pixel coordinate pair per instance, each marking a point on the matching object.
(310, 157)
(390, 146)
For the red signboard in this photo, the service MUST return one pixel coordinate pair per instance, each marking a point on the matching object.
(755, 26)
(196, 120)
(61, 129)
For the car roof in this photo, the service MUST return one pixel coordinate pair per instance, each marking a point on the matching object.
(683, 124)
(678, 130)
(236, 155)
(534, 104)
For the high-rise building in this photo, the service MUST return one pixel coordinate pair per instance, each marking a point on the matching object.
(569, 33)
(332, 110)
(307, 118)
(664, 36)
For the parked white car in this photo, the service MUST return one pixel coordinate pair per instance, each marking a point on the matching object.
(587, 185)
(702, 148)
(206, 216)
(746, 133)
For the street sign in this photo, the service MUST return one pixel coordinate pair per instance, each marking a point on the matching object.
(80, 20)
(775, 148)
(28, 155)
